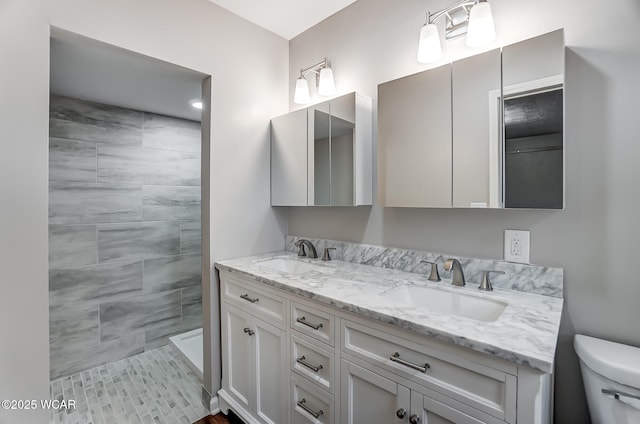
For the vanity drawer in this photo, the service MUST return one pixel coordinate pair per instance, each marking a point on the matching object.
(313, 363)
(310, 405)
(313, 322)
(245, 294)
(487, 389)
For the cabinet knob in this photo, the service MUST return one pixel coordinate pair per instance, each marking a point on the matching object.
(400, 413)
(249, 331)
(414, 419)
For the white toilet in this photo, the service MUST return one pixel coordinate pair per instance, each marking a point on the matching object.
(611, 374)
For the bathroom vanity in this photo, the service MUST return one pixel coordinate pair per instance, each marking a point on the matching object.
(306, 341)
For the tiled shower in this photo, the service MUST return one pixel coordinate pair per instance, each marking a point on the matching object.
(124, 232)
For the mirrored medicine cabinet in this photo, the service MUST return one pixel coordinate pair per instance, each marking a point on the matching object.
(322, 155)
(483, 132)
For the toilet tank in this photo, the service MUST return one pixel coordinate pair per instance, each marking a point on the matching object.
(614, 368)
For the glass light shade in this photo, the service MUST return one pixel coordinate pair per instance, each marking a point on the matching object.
(301, 95)
(326, 86)
(429, 47)
(481, 29)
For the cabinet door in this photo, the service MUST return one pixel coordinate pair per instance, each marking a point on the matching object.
(370, 398)
(319, 168)
(430, 411)
(414, 137)
(271, 383)
(289, 159)
(236, 355)
(474, 157)
(533, 93)
(342, 148)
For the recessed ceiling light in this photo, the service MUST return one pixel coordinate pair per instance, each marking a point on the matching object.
(197, 104)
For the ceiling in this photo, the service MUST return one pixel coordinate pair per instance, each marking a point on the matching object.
(90, 70)
(287, 18)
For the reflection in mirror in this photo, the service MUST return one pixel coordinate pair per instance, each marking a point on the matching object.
(333, 152)
(533, 121)
(341, 147)
(533, 156)
(321, 158)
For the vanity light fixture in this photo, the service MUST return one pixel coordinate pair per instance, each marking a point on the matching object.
(324, 81)
(471, 17)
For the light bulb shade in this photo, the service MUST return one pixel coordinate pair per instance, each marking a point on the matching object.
(326, 85)
(481, 29)
(301, 95)
(429, 47)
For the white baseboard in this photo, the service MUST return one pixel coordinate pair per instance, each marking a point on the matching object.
(214, 407)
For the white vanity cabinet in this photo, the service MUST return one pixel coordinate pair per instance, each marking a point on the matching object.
(452, 382)
(314, 358)
(254, 354)
(487, 386)
(289, 359)
(370, 398)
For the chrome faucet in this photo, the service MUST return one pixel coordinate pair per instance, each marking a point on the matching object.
(434, 275)
(458, 276)
(326, 256)
(486, 281)
(301, 243)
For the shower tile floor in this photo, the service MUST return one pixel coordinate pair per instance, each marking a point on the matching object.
(153, 387)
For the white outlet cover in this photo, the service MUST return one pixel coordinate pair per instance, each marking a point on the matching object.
(523, 236)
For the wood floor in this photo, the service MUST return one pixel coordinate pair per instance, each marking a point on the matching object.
(219, 419)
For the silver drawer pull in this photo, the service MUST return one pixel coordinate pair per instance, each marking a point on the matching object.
(396, 358)
(248, 299)
(302, 404)
(303, 321)
(302, 361)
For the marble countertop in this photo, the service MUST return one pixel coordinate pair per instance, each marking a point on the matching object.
(526, 333)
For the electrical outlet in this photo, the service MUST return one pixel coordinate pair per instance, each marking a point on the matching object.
(516, 246)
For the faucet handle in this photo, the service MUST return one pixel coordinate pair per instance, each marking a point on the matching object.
(300, 245)
(434, 275)
(325, 255)
(486, 280)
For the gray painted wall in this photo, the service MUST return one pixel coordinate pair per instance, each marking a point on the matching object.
(374, 41)
(124, 232)
(24, 123)
(243, 100)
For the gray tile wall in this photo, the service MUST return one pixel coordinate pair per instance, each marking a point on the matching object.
(124, 232)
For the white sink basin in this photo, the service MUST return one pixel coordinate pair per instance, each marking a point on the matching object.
(437, 300)
(294, 266)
